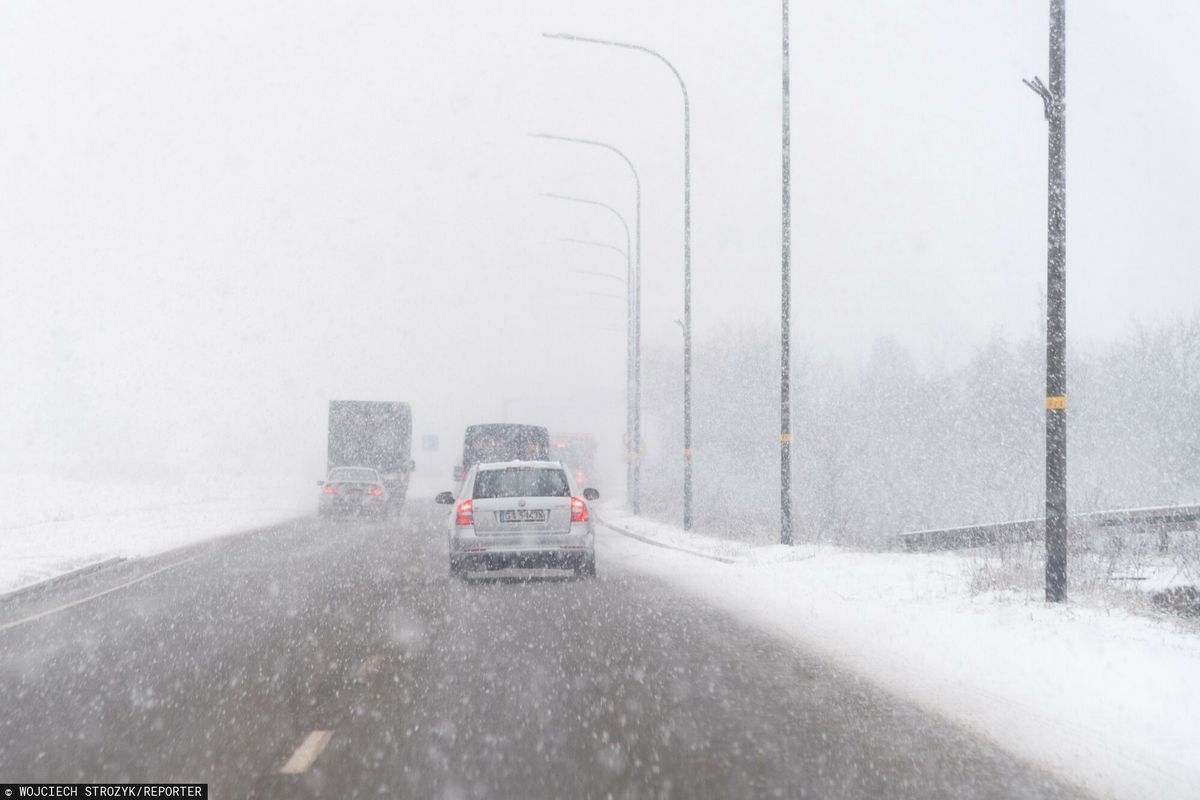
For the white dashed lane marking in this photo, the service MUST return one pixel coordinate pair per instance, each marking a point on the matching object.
(306, 753)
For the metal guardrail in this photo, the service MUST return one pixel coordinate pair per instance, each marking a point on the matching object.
(1137, 520)
(1156, 519)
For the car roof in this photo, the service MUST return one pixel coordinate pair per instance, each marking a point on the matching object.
(506, 426)
(494, 465)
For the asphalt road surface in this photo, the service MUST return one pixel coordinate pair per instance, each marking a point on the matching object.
(339, 660)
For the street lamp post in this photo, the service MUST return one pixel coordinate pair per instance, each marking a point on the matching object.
(596, 273)
(785, 310)
(1054, 98)
(687, 258)
(629, 326)
(633, 447)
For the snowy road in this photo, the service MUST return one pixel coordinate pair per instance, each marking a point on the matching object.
(337, 660)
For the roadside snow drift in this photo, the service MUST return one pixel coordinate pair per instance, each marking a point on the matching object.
(51, 525)
(1103, 698)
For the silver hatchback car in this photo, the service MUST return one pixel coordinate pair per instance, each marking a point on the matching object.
(521, 514)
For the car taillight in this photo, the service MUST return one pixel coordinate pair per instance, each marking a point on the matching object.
(579, 512)
(329, 490)
(375, 491)
(465, 513)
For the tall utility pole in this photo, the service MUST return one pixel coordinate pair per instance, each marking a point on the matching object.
(687, 258)
(1054, 98)
(633, 447)
(785, 311)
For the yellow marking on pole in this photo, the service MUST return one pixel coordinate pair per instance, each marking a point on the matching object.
(306, 753)
(785, 437)
(687, 451)
(1056, 403)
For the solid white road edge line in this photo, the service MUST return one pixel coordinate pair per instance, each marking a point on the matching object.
(306, 753)
(612, 526)
(89, 598)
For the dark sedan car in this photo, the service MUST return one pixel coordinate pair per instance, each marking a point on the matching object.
(352, 492)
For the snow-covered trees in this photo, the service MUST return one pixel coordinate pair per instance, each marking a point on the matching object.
(894, 445)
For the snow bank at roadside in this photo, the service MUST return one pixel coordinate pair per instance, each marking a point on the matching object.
(1103, 698)
(51, 525)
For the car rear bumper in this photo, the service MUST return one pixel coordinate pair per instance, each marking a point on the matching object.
(373, 505)
(522, 559)
(564, 551)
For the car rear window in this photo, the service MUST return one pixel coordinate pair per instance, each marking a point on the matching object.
(521, 482)
(485, 443)
(359, 475)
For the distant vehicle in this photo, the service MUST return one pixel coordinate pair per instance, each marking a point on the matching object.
(373, 434)
(353, 491)
(503, 441)
(577, 452)
(520, 514)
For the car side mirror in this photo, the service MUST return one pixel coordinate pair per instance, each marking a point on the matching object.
(320, 483)
(591, 494)
(444, 498)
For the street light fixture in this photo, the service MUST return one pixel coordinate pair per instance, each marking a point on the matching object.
(624, 257)
(597, 274)
(605, 245)
(687, 257)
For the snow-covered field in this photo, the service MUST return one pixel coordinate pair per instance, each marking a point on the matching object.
(1105, 698)
(50, 524)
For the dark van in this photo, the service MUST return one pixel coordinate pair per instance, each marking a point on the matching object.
(503, 441)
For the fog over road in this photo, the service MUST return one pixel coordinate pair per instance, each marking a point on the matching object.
(344, 653)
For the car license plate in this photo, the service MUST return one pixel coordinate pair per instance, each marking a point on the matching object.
(523, 515)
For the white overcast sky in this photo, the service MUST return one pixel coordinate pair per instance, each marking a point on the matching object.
(216, 216)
